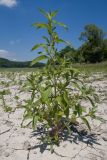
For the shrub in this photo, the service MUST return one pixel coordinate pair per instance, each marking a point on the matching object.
(57, 91)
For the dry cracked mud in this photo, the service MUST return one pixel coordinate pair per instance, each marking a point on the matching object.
(17, 143)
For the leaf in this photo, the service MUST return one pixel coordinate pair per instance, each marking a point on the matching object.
(62, 41)
(66, 97)
(43, 57)
(53, 14)
(27, 115)
(86, 122)
(60, 113)
(92, 102)
(47, 40)
(34, 121)
(60, 24)
(43, 12)
(60, 100)
(37, 46)
(41, 52)
(79, 109)
(45, 94)
(68, 128)
(40, 25)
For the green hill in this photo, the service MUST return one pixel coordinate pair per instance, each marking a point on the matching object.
(5, 63)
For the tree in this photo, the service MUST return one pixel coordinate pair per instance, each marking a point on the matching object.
(69, 53)
(93, 46)
(105, 49)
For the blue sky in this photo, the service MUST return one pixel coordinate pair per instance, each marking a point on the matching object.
(17, 36)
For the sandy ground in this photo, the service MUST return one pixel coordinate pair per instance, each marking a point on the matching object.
(16, 141)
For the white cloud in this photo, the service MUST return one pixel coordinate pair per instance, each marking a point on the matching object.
(3, 53)
(7, 54)
(8, 3)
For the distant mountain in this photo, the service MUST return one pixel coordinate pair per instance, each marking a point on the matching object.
(17, 64)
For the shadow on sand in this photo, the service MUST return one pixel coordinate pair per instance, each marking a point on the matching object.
(76, 136)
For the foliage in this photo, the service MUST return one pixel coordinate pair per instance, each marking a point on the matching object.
(105, 49)
(70, 54)
(57, 92)
(93, 48)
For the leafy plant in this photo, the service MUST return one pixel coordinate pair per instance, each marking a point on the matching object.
(5, 107)
(58, 90)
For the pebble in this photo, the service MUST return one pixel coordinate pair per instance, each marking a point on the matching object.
(6, 154)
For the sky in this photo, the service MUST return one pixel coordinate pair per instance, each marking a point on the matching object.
(17, 36)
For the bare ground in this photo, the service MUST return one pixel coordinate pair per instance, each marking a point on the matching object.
(17, 143)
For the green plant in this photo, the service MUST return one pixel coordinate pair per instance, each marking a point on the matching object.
(2, 94)
(58, 90)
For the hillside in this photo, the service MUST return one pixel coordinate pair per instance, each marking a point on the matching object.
(5, 63)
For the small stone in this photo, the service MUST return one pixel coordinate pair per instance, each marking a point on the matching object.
(6, 154)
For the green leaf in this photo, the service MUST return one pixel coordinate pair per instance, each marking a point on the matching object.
(62, 41)
(78, 108)
(34, 121)
(92, 102)
(86, 122)
(37, 46)
(40, 25)
(47, 40)
(41, 52)
(43, 12)
(45, 94)
(60, 113)
(60, 100)
(60, 24)
(66, 97)
(27, 115)
(53, 14)
(40, 58)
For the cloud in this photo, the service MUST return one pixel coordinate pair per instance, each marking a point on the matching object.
(8, 3)
(3, 53)
(7, 54)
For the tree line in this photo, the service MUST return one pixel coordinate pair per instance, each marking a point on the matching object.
(5, 63)
(93, 48)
